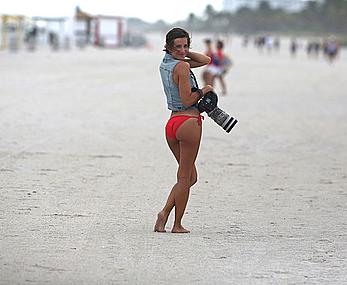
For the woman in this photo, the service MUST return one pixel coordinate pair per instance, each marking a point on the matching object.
(223, 63)
(207, 75)
(219, 66)
(183, 129)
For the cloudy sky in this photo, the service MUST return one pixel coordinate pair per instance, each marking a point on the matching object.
(148, 10)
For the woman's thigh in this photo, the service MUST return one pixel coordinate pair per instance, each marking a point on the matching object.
(174, 146)
(189, 136)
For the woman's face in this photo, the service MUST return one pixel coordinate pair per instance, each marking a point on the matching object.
(180, 48)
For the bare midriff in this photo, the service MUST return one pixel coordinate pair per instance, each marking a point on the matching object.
(190, 112)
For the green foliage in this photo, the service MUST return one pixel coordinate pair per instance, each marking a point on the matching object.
(317, 17)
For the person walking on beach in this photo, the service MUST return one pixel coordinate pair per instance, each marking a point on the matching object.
(218, 67)
(331, 49)
(184, 127)
(223, 63)
(207, 75)
(293, 47)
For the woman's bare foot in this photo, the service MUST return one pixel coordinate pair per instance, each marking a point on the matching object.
(160, 223)
(179, 230)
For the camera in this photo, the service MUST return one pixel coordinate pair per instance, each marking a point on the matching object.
(208, 104)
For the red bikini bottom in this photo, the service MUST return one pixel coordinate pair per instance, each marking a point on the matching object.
(176, 121)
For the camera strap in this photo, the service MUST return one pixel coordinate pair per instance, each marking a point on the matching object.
(194, 78)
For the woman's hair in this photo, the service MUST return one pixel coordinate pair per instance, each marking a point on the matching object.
(175, 33)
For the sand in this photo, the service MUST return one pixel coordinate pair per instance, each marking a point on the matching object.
(84, 169)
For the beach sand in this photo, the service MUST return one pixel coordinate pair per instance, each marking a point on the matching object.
(84, 169)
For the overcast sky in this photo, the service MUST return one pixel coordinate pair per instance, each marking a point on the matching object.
(148, 10)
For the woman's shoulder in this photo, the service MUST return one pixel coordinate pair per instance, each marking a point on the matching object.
(182, 67)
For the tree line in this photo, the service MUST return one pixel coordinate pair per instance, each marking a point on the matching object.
(324, 17)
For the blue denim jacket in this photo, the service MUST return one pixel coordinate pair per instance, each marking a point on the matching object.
(173, 98)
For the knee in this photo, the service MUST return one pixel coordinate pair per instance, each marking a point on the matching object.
(184, 182)
(187, 182)
(193, 181)
(193, 178)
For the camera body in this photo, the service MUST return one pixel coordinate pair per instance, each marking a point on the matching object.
(208, 104)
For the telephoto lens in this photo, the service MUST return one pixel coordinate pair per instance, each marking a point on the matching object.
(223, 119)
(208, 104)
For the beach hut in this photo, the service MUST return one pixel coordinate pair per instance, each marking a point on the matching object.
(109, 31)
(54, 31)
(12, 31)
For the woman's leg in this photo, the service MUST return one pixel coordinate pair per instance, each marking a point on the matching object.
(170, 203)
(189, 135)
(175, 147)
(164, 214)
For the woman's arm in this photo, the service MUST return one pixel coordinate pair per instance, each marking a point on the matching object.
(181, 78)
(196, 59)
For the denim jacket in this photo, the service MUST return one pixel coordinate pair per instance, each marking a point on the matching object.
(173, 98)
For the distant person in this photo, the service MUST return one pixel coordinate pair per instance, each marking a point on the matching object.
(293, 47)
(309, 48)
(218, 67)
(184, 127)
(53, 40)
(31, 38)
(207, 74)
(223, 63)
(259, 42)
(245, 41)
(277, 43)
(269, 43)
(312, 48)
(331, 49)
(316, 47)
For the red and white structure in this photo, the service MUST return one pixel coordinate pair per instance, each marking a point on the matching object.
(109, 31)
